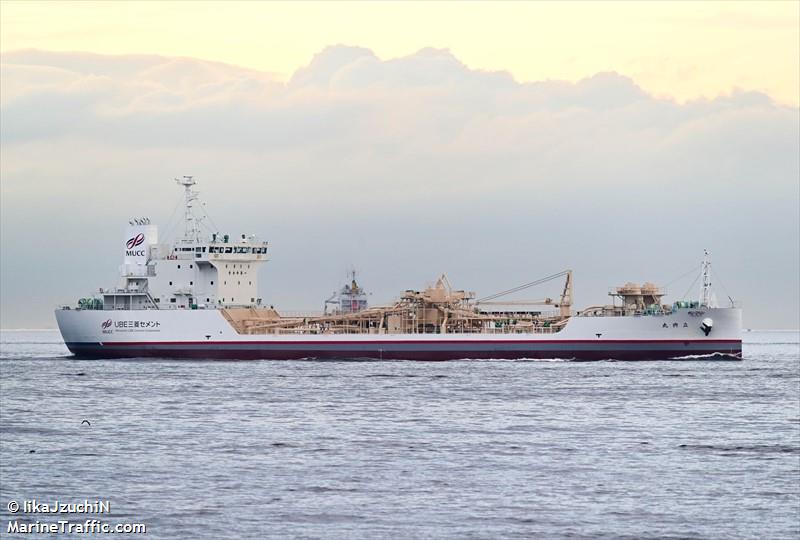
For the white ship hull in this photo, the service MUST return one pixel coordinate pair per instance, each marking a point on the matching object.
(205, 333)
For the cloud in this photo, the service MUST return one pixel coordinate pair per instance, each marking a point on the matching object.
(405, 166)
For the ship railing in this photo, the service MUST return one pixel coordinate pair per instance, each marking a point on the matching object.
(523, 330)
(508, 330)
(621, 291)
(305, 332)
(300, 314)
(621, 312)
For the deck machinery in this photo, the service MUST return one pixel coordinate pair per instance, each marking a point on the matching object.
(438, 309)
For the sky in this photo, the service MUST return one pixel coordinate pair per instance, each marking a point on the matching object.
(682, 50)
(499, 142)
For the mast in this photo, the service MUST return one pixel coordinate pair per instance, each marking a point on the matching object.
(191, 229)
(705, 292)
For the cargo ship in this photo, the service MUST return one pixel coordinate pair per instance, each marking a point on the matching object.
(197, 297)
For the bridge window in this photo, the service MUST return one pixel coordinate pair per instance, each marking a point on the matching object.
(172, 300)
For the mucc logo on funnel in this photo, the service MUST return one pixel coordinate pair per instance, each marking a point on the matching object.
(132, 243)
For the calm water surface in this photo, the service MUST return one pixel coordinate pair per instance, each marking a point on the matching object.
(481, 449)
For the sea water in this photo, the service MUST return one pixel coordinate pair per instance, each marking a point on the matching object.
(460, 449)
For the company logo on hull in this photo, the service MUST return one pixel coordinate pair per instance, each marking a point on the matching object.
(106, 326)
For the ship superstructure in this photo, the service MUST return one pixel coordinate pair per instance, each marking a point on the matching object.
(196, 271)
(198, 297)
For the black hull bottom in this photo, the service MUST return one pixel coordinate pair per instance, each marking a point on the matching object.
(640, 351)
